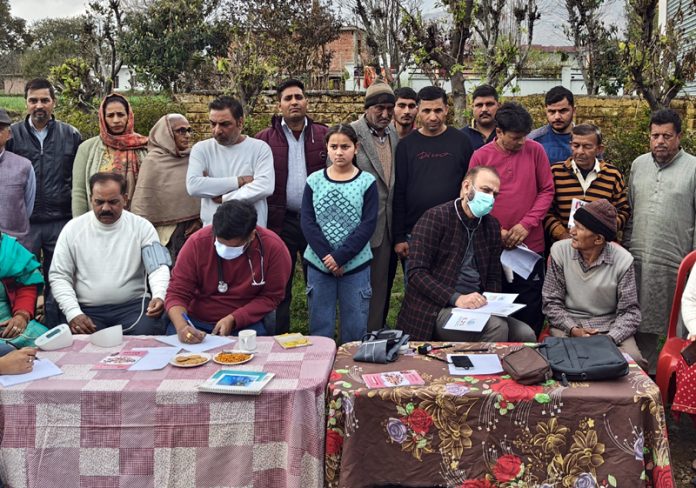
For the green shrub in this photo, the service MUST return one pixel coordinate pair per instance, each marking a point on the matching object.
(255, 123)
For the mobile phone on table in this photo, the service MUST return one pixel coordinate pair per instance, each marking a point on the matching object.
(689, 353)
(462, 362)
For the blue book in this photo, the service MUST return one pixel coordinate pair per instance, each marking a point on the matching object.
(236, 382)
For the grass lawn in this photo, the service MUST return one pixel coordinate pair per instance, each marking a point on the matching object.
(12, 103)
(298, 308)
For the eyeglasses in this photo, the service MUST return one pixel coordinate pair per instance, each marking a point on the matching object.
(183, 130)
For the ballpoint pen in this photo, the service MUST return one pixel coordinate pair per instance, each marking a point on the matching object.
(188, 321)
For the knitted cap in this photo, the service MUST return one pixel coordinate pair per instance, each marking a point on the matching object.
(4, 118)
(600, 217)
(379, 92)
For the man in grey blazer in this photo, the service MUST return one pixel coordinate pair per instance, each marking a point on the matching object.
(377, 144)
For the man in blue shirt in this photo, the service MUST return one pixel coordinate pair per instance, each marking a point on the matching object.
(555, 136)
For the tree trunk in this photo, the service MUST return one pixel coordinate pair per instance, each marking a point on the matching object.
(458, 99)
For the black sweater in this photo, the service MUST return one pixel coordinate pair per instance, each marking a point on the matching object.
(429, 171)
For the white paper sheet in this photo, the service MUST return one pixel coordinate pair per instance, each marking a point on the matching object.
(575, 204)
(500, 297)
(43, 368)
(466, 322)
(483, 364)
(156, 358)
(521, 260)
(209, 342)
(501, 309)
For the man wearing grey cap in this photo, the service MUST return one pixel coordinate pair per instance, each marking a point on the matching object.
(590, 285)
(18, 189)
(376, 148)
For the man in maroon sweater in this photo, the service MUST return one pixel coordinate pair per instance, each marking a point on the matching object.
(299, 150)
(227, 277)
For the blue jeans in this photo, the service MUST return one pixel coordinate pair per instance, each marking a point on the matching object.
(353, 293)
(208, 327)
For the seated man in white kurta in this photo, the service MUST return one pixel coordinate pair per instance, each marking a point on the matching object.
(98, 272)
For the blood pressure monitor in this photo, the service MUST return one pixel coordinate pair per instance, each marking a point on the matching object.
(56, 338)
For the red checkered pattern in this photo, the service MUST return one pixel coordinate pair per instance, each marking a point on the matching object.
(118, 429)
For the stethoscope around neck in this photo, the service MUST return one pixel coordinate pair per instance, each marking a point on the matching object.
(222, 286)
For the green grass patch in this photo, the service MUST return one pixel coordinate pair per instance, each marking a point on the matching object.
(14, 105)
(299, 316)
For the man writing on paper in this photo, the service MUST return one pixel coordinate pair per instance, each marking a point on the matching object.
(454, 257)
(227, 277)
(590, 285)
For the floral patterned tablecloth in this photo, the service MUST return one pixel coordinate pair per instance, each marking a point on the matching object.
(490, 431)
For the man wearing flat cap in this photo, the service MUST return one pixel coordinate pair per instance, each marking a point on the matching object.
(377, 144)
(18, 189)
(590, 285)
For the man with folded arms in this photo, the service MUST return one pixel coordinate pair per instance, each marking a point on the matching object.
(228, 276)
(455, 257)
(590, 285)
(98, 272)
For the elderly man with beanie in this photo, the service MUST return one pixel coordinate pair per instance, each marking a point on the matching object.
(376, 147)
(590, 285)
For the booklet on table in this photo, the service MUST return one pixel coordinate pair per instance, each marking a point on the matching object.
(393, 378)
(236, 382)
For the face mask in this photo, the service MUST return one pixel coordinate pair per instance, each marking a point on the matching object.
(228, 252)
(481, 204)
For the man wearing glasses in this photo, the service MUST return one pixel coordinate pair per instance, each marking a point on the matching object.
(228, 276)
(661, 231)
(230, 165)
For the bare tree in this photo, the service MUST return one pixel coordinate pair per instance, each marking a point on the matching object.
(659, 63)
(103, 28)
(505, 30)
(385, 34)
(444, 45)
(595, 43)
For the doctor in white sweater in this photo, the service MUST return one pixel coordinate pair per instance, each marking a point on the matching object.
(230, 165)
(98, 274)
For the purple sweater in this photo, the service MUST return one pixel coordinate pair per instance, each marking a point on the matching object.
(526, 187)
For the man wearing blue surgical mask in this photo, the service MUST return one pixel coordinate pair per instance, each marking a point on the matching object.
(228, 276)
(454, 257)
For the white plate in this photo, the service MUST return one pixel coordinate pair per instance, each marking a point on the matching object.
(251, 356)
(204, 355)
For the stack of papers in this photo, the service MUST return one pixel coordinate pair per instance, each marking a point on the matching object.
(474, 319)
(156, 358)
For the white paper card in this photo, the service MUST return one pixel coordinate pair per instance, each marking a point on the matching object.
(467, 322)
(209, 342)
(156, 358)
(575, 204)
(43, 368)
(501, 309)
(483, 364)
(500, 297)
(521, 260)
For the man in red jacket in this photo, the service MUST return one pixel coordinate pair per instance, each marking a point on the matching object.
(228, 276)
(299, 150)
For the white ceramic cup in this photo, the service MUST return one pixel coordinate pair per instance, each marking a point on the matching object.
(247, 340)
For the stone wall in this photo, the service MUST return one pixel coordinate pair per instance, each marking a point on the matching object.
(611, 114)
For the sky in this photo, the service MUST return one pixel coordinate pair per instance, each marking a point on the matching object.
(31, 10)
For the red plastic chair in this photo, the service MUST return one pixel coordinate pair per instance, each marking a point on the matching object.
(669, 355)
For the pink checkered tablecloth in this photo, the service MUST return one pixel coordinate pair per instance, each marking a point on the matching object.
(118, 429)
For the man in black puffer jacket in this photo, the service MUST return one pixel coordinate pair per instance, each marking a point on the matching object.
(50, 145)
(299, 150)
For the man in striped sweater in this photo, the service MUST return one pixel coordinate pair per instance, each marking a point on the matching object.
(585, 178)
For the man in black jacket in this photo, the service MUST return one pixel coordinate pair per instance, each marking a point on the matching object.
(50, 145)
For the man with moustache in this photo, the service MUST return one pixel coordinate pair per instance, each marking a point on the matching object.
(430, 165)
(377, 142)
(230, 165)
(98, 271)
(485, 104)
(405, 111)
(299, 149)
(662, 228)
(555, 136)
(51, 146)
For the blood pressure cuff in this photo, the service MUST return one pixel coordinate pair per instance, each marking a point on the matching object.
(155, 255)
